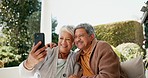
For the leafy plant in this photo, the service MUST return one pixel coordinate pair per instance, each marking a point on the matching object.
(131, 50)
(14, 15)
(120, 32)
(121, 57)
(8, 56)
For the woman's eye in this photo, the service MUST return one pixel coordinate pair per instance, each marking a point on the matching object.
(61, 38)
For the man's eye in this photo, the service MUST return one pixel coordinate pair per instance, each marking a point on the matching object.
(68, 39)
(81, 35)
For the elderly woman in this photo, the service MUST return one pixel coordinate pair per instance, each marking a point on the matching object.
(58, 62)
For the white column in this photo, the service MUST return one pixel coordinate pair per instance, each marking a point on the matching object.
(45, 26)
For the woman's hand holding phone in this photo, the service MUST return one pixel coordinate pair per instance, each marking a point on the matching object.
(36, 55)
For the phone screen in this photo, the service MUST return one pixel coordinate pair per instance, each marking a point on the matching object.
(39, 37)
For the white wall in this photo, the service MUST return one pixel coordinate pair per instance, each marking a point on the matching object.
(10, 72)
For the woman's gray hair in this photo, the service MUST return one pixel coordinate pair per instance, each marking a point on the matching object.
(67, 28)
(89, 28)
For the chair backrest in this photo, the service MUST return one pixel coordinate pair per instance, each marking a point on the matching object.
(134, 68)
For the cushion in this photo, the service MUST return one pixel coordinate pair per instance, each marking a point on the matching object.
(134, 68)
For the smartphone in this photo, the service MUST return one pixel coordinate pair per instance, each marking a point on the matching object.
(39, 37)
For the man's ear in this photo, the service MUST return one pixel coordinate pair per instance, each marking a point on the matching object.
(92, 36)
(73, 43)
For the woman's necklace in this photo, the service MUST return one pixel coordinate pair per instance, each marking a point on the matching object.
(62, 56)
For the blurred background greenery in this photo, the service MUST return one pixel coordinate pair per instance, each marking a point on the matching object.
(19, 20)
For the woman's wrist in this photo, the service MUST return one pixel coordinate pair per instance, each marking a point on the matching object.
(27, 66)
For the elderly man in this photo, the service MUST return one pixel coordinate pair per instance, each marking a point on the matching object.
(96, 57)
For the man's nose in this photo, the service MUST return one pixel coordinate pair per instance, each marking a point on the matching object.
(78, 38)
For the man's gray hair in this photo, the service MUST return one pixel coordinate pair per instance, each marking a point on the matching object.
(89, 28)
(67, 28)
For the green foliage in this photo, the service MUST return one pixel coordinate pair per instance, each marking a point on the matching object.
(120, 32)
(2, 39)
(54, 25)
(54, 38)
(130, 50)
(121, 57)
(146, 35)
(14, 15)
(33, 24)
(8, 56)
(20, 20)
(146, 60)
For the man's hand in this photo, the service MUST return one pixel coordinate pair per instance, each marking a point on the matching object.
(51, 45)
(35, 56)
(73, 76)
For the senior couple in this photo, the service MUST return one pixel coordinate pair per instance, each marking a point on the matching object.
(95, 58)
